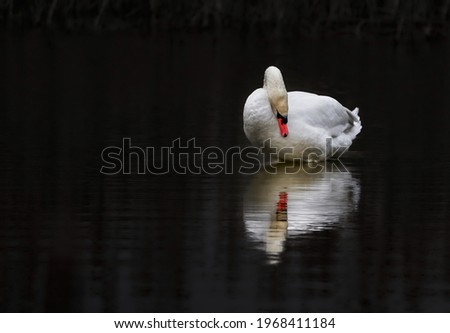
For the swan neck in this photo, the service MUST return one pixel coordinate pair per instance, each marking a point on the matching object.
(276, 90)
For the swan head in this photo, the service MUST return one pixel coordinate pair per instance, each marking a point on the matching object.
(278, 98)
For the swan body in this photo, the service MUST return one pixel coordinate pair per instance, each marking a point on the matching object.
(305, 120)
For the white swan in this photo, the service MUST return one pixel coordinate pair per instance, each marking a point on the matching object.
(312, 120)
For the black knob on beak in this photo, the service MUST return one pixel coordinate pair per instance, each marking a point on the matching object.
(284, 119)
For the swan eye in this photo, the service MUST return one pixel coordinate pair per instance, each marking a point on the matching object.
(284, 119)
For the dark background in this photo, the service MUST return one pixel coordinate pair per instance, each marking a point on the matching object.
(78, 76)
(388, 17)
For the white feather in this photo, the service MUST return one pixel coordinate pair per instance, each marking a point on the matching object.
(311, 120)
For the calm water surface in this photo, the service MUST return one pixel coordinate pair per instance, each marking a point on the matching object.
(376, 238)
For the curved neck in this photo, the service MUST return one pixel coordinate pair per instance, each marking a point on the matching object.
(276, 91)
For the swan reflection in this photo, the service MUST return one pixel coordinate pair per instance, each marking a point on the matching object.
(279, 206)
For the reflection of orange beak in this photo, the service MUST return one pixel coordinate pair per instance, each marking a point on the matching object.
(282, 123)
(282, 202)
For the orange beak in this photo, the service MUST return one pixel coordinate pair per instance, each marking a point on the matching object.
(282, 123)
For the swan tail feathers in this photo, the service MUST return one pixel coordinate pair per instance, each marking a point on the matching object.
(353, 116)
(355, 123)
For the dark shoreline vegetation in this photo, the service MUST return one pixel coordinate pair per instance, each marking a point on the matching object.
(401, 19)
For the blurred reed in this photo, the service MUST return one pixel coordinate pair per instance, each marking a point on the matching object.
(392, 17)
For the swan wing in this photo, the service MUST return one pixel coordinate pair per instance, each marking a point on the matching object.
(323, 112)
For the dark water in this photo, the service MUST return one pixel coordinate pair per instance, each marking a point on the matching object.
(72, 239)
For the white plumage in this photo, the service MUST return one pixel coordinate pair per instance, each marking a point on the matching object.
(311, 119)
